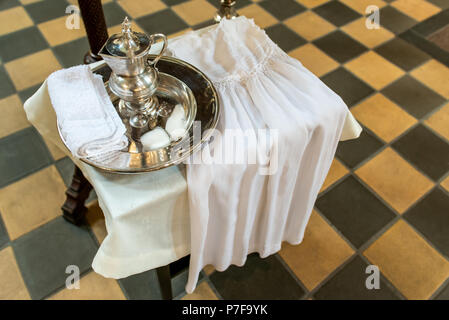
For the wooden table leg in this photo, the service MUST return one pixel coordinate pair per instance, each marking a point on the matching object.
(73, 208)
(166, 273)
(164, 278)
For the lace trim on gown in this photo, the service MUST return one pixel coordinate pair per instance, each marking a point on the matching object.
(265, 51)
(240, 77)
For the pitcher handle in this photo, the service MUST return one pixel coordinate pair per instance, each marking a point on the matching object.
(154, 37)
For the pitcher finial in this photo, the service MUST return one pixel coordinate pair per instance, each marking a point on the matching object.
(126, 25)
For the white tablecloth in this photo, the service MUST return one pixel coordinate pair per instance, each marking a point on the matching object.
(146, 215)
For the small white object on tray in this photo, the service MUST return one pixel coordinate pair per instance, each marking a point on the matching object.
(176, 123)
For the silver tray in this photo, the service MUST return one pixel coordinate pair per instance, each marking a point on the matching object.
(180, 83)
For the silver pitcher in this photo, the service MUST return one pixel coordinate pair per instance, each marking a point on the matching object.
(134, 77)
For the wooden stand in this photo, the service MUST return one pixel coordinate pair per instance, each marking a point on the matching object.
(73, 208)
(164, 278)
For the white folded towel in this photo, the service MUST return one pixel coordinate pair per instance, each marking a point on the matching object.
(87, 120)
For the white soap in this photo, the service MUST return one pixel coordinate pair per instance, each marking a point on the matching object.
(155, 139)
(176, 123)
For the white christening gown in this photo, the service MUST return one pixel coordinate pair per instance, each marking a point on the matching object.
(237, 209)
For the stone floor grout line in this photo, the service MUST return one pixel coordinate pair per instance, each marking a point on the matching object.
(292, 274)
(409, 208)
(375, 194)
(444, 190)
(331, 275)
(390, 144)
(440, 289)
(427, 240)
(378, 234)
(357, 251)
(123, 289)
(5, 245)
(361, 250)
(212, 286)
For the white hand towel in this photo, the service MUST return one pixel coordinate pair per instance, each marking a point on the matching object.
(88, 121)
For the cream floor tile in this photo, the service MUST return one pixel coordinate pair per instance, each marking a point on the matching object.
(209, 269)
(320, 253)
(25, 2)
(33, 69)
(12, 286)
(314, 59)
(408, 261)
(445, 183)
(374, 69)
(361, 5)
(312, 3)
(195, 11)
(369, 37)
(417, 9)
(439, 121)
(141, 8)
(435, 75)
(56, 32)
(394, 179)
(383, 117)
(309, 25)
(13, 116)
(14, 19)
(32, 201)
(261, 17)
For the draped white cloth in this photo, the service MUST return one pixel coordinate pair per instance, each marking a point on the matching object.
(240, 208)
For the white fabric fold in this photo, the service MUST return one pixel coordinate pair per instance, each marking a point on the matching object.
(240, 208)
(87, 120)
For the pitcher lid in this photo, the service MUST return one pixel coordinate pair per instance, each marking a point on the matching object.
(127, 43)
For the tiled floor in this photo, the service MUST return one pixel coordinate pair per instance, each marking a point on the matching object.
(385, 201)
